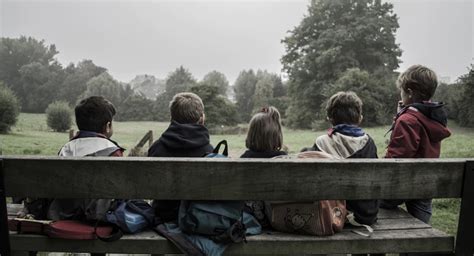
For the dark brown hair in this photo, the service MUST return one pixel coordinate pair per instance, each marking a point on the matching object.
(186, 108)
(93, 113)
(265, 133)
(421, 80)
(344, 108)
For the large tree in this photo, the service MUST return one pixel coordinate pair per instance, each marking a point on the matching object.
(105, 85)
(379, 98)
(219, 110)
(244, 88)
(39, 85)
(180, 80)
(76, 78)
(29, 68)
(263, 91)
(466, 111)
(335, 36)
(215, 78)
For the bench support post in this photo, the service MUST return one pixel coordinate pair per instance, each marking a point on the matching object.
(4, 236)
(464, 242)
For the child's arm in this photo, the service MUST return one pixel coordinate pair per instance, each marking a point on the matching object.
(405, 139)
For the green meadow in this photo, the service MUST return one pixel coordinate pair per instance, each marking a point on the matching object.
(31, 136)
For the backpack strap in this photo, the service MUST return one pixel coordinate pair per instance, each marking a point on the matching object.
(217, 148)
(351, 219)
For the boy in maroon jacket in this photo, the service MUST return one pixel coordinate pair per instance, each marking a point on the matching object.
(418, 129)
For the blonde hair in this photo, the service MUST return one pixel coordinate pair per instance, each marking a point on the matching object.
(186, 108)
(265, 133)
(344, 108)
(421, 80)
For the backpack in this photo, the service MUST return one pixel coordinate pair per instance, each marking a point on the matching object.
(221, 221)
(131, 216)
(319, 218)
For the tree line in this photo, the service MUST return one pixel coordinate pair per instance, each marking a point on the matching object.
(338, 45)
(37, 82)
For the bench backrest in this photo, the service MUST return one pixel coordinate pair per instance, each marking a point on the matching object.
(226, 179)
(243, 179)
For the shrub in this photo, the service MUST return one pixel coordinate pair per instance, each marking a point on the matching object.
(9, 109)
(59, 116)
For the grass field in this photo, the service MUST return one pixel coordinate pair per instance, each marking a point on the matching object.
(31, 136)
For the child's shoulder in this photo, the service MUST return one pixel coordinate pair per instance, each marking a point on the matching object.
(410, 116)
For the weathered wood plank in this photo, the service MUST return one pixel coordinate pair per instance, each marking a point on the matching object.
(394, 241)
(399, 224)
(227, 179)
(4, 238)
(398, 213)
(464, 244)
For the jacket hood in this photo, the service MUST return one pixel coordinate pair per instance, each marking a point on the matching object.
(340, 145)
(433, 110)
(185, 136)
(436, 131)
(86, 146)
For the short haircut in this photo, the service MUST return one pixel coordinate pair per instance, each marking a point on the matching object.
(93, 113)
(421, 80)
(265, 133)
(344, 108)
(186, 108)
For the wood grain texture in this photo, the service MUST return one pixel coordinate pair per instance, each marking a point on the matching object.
(394, 241)
(4, 238)
(227, 179)
(465, 234)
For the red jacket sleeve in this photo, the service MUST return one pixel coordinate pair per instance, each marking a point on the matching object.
(405, 138)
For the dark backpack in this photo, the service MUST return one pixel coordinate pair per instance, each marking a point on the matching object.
(131, 216)
(221, 221)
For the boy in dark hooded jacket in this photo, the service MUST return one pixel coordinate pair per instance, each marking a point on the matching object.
(347, 140)
(185, 137)
(418, 129)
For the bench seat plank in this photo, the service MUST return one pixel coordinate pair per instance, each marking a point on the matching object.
(407, 240)
(395, 231)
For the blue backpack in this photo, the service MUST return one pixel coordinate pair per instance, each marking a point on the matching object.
(221, 221)
(215, 153)
(131, 216)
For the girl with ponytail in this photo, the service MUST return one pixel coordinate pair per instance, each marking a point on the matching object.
(264, 137)
(264, 140)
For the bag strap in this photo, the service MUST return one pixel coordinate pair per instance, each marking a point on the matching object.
(114, 236)
(351, 219)
(179, 240)
(217, 148)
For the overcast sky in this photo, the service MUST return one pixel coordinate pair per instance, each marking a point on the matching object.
(155, 37)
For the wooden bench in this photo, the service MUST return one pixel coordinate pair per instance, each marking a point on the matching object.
(230, 179)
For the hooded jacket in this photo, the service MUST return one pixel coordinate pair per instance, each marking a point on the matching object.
(182, 140)
(91, 144)
(418, 131)
(346, 141)
(85, 143)
(179, 140)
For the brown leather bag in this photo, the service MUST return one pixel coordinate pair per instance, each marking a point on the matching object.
(319, 218)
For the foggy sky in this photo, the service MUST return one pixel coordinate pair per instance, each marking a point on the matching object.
(155, 37)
